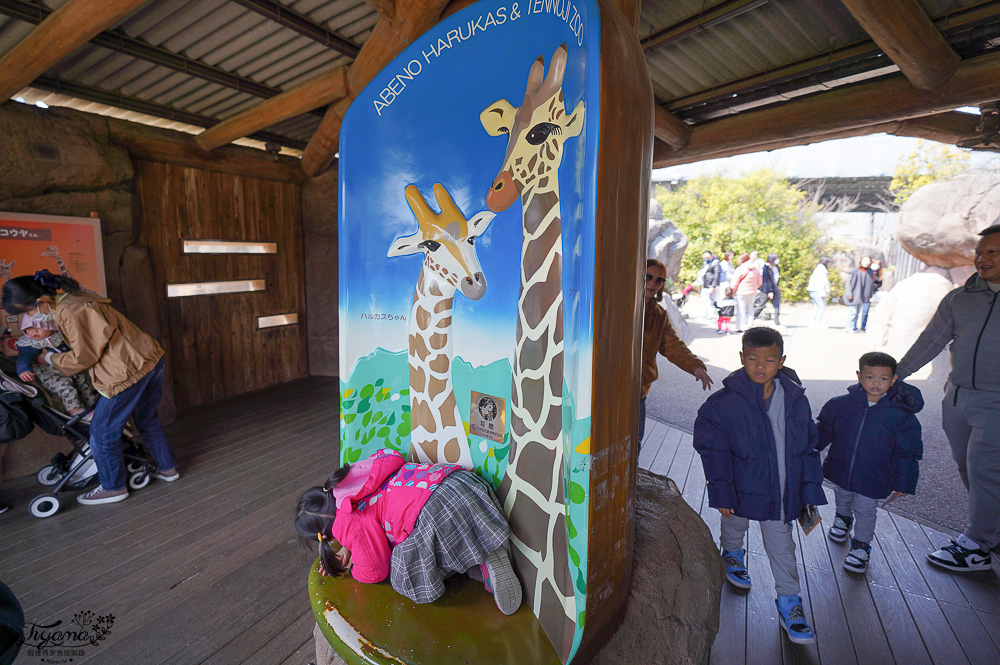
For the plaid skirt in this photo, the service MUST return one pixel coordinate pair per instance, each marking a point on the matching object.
(459, 525)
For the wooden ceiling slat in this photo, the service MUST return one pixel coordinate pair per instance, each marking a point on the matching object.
(313, 94)
(63, 31)
(948, 127)
(905, 33)
(886, 100)
(952, 22)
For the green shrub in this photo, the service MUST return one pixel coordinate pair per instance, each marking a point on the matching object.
(756, 211)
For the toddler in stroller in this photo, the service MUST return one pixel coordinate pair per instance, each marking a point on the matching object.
(23, 406)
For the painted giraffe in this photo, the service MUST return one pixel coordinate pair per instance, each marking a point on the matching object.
(533, 487)
(447, 240)
(52, 251)
(5, 270)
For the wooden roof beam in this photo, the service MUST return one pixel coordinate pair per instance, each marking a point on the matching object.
(320, 91)
(886, 100)
(906, 34)
(669, 128)
(386, 8)
(65, 30)
(948, 127)
(387, 40)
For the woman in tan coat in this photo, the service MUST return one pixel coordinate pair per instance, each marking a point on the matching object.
(125, 366)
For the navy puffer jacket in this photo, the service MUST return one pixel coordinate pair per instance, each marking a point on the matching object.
(875, 449)
(734, 438)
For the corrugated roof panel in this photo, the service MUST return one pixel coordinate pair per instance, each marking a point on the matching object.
(310, 74)
(234, 34)
(12, 32)
(123, 76)
(186, 16)
(294, 61)
(170, 87)
(775, 33)
(221, 104)
(192, 100)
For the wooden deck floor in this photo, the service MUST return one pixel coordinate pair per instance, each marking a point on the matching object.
(903, 611)
(204, 570)
(207, 570)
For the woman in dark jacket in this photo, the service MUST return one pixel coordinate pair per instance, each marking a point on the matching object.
(858, 295)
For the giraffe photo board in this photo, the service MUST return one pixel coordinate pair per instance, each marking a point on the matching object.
(468, 239)
(69, 246)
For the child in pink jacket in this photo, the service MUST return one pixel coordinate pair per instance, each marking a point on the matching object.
(415, 523)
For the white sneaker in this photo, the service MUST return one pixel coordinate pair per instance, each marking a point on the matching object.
(960, 559)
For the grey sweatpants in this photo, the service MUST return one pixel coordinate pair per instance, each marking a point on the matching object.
(778, 543)
(971, 421)
(861, 508)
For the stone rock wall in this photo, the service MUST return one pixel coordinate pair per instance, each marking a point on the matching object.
(905, 311)
(59, 161)
(940, 222)
(673, 607)
(319, 229)
(665, 242)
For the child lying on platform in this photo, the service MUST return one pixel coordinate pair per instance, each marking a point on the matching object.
(75, 392)
(418, 522)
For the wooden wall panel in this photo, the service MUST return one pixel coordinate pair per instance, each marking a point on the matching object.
(214, 349)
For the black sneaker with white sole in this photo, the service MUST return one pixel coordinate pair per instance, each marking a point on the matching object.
(959, 559)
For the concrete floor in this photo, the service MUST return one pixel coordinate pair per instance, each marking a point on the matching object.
(825, 360)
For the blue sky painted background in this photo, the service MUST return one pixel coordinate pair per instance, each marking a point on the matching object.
(431, 133)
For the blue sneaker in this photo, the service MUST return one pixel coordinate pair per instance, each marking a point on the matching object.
(736, 570)
(793, 620)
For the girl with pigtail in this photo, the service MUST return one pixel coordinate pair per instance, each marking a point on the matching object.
(124, 363)
(414, 523)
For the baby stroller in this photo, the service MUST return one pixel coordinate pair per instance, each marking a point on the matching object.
(23, 406)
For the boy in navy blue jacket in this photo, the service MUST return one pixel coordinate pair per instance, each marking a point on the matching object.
(875, 445)
(757, 442)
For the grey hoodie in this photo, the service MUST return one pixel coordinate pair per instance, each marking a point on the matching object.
(969, 318)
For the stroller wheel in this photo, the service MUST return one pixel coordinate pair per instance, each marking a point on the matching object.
(133, 467)
(49, 475)
(45, 505)
(138, 480)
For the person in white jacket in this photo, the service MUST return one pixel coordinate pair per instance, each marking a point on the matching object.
(819, 290)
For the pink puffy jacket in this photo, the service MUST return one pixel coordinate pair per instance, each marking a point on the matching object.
(377, 507)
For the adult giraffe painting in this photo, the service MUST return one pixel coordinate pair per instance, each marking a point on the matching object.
(533, 490)
(447, 240)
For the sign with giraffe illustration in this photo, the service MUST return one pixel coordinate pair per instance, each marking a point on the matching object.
(69, 246)
(468, 244)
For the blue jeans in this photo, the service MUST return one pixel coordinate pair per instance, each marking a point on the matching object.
(864, 315)
(819, 306)
(854, 312)
(139, 401)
